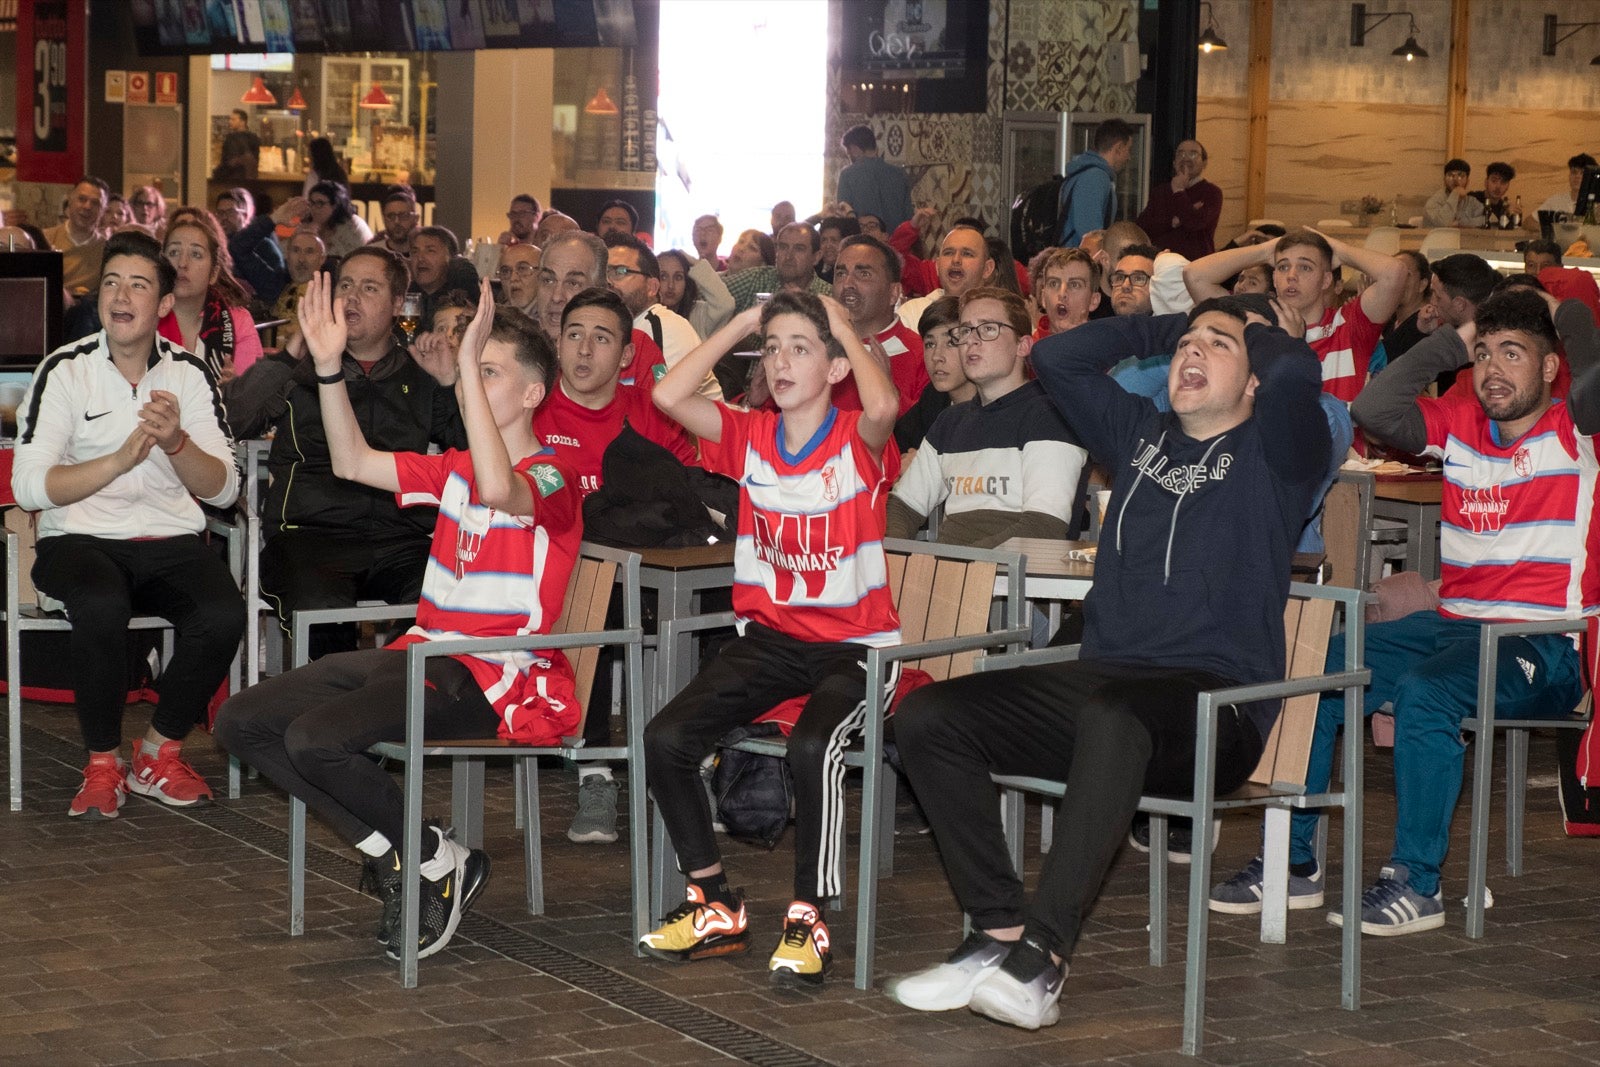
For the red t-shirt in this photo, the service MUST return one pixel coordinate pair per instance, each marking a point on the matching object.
(580, 435)
(910, 374)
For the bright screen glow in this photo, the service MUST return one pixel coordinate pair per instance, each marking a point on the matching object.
(743, 92)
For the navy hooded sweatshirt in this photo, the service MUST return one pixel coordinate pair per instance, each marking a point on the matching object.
(1193, 565)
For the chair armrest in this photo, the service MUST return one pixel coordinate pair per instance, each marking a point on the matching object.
(944, 646)
(693, 623)
(1494, 631)
(1289, 687)
(1032, 657)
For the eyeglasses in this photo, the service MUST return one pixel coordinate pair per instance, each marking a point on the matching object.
(618, 272)
(521, 270)
(398, 216)
(986, 331)
(1138, 279)
(141, 203)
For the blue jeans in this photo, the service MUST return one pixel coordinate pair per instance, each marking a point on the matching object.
(1427, 666)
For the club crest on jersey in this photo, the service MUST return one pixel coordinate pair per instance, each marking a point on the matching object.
(1522, 463)
(1484, 510)
(830, 485)
(546, 478)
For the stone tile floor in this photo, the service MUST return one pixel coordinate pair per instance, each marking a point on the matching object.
(161, 938)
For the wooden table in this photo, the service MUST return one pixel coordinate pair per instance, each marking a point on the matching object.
(1414, 500)
(1051, 579)
(1472, 240)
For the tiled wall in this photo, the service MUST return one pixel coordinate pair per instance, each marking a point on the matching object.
(1055, 52)
(1351, 121)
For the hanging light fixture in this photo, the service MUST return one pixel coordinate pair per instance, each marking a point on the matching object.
(258, 93)
(601, 104)
(297, 102)
(1410, 49)
(376, 99)
(1209, 40)
(1361, 22)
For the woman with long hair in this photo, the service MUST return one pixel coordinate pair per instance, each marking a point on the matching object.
(323, 165)
(208, 318)
(693, 288)
(340, 228)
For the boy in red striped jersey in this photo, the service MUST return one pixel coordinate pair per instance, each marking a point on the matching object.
(810, 588)
(1517, 543)
(508, 532)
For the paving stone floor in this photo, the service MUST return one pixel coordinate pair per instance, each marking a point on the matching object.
(161, 938)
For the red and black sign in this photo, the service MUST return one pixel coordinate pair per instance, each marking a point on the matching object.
(50, 90)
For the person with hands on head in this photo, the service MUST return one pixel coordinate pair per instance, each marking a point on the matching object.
(1306, 283)
(808, 593)
(508, 532)
(121, 437)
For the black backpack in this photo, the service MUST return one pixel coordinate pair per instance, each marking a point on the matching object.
(1036, 219)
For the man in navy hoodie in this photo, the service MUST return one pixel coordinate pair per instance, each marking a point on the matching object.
(1089, 189)
(1190, 587)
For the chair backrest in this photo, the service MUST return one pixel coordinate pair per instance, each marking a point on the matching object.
(1384, 239)
(1307, 625)
(588, 598)
(1347, 528)
(938, 596)
(1441, 239)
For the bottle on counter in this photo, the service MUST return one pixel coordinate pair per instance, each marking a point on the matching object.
(1516, 215)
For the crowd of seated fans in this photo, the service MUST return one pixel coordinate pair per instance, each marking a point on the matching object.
(959, 383)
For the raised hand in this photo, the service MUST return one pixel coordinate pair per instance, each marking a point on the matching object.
(432, 353)
(322, 323)
(134, 450)
(1289, 320)
(478, 330)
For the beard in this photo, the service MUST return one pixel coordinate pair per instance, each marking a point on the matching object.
(1519, 405)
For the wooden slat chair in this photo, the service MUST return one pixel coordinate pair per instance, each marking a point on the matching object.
(580, 633)
(1517, 732)
(1347, 529)
(21, 618)
(1277, 784)
(943, 594)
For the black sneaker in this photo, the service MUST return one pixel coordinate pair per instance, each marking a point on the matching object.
(443, 901)
(380, 876)
(1180, 836)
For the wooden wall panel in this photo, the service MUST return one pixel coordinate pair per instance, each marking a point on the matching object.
(1536, 142)
(1223, 126)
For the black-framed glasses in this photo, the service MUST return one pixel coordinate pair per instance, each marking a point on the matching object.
(617, 272)
(986, 331)
(1137, 278)
(521, 270)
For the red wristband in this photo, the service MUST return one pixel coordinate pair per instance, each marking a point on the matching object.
(181, 445)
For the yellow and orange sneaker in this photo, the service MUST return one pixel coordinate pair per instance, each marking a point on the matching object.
(698, 929)
(805, 950)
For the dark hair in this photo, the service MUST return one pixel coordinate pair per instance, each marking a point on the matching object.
(136, 243)
(1518, 309)
(1016, 311)
(398, 192)
(891, 258)
(1420, 261)
(453, 299)
(633, 212)
(691, 288)
(1142, 250)
(600, 297)
(847, 226)
(806, 305)
(1512, 281)
(242, 113)
(98, 183)
(531, 348)
(1466, 275)
(1543, 247)
(1238, 307)
(324, 163)
(1582, 159)
(1501, 170)
(1457, 165)
(529, 199)
(226, 287)
(765, 245)
(442, 234)
(1112, 132)
(1005, 268)
(397, 270)
(816, 238)
(945, 311)
(338, 195)
(647, 258)
(971, 222)
(860, 137)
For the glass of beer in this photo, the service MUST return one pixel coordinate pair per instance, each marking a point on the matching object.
(411, 315)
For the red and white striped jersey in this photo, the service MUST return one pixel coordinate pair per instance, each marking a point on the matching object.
(1343, 341)
(809, 560)
(1517, 534)
(496, 575)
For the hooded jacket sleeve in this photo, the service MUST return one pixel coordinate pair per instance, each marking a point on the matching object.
(1293, 427)
(1072, 368)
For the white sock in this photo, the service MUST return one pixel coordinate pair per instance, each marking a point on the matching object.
(374, 845)
(444, 859)
(587, 771)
